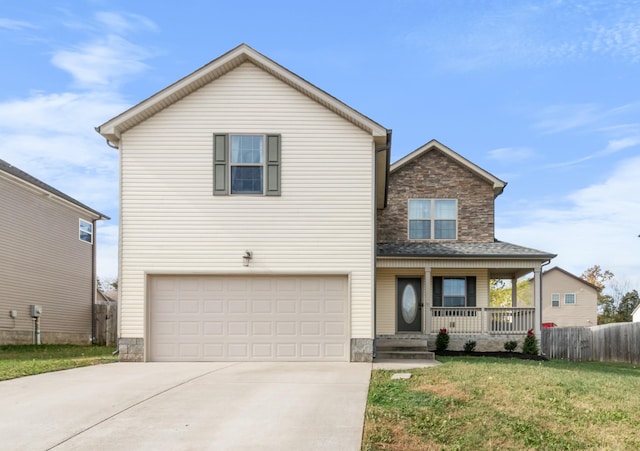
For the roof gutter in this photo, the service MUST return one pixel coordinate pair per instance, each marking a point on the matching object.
(386, 148)
(470, 257)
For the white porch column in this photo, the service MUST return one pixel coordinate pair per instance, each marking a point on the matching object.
(426, 300)
(537, 302)
(514, 292)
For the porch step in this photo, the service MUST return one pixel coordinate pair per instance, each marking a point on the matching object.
(403, 348)
(404, 355)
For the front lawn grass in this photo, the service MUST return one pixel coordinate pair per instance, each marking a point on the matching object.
(489, 403)
(26, 360)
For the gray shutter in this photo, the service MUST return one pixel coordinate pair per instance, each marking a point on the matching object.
(273, 166)
(437, 291)
(220, 163)
(471, 291)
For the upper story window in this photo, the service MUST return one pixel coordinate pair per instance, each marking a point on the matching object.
(555, 300)
(246, 164)
(86, 231)
(569, 298)
(433, 219)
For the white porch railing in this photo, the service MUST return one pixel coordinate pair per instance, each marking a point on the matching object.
(482, 320)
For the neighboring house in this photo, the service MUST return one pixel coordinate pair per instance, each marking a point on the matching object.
(567, 300)
(249, 215)
(47, 260)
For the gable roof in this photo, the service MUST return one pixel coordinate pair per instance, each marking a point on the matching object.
(113, 129)
(498, 185)
(564, 271)
(16, 173)
(495, 249)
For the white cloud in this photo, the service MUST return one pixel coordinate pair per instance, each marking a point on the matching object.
(559, 118)
(511, 154)
(598, 224)
(619, 39)
(15, 25)
(125, 22)
(529, 33)
(102, 63)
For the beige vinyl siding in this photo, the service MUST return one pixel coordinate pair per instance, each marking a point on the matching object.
(321, 224)
(43, 262)
(386, 291)
(583, 313)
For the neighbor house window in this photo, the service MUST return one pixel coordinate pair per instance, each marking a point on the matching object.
(246, 164)
(433, 219)
(555, 300)
(569, 298)
(86, 231)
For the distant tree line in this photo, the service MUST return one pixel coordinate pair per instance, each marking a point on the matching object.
(618, 304)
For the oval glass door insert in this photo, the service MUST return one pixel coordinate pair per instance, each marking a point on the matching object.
(409, 304)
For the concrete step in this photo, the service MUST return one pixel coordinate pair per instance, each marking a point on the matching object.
(389, 348)
(405, 355)
(401, 342)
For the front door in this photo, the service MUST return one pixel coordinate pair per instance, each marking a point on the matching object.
(409, 300)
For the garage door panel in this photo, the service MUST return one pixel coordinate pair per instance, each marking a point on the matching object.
(195, 318)
(213, 306)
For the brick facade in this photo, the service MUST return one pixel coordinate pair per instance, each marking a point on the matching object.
(434, 175)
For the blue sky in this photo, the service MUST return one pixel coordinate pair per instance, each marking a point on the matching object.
(544, 94)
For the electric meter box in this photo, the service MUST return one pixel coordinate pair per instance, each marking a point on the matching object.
(36, 311)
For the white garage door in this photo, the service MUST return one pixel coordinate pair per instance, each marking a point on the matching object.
(237, 318)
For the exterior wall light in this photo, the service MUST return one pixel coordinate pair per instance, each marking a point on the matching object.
(246, 258)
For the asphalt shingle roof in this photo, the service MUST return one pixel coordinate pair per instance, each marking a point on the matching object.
(496, 249)
(9, 169)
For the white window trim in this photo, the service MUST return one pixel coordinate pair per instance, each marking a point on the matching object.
(80, 221)
(432, 219)
(552, 295)
(575, 299)
(263, 164)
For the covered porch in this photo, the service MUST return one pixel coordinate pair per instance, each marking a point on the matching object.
(424, 287)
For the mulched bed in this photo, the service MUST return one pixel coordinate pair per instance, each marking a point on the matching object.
(499, 354)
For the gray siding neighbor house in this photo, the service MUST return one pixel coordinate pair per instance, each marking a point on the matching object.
(47, 260)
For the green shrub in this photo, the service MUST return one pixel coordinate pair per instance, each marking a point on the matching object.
(510, 345)
(530, 345)
(442, 341)
(469, 346)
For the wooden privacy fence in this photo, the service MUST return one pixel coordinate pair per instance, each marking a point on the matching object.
(106, 323)
(617, 342)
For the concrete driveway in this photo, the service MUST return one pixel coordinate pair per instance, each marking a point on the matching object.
(187, 406)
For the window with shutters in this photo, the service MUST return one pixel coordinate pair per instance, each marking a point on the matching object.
(246, 164)
(454, 291)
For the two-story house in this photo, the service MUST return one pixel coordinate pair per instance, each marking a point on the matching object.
(250, 205)
(567, 300)
(47, 263)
